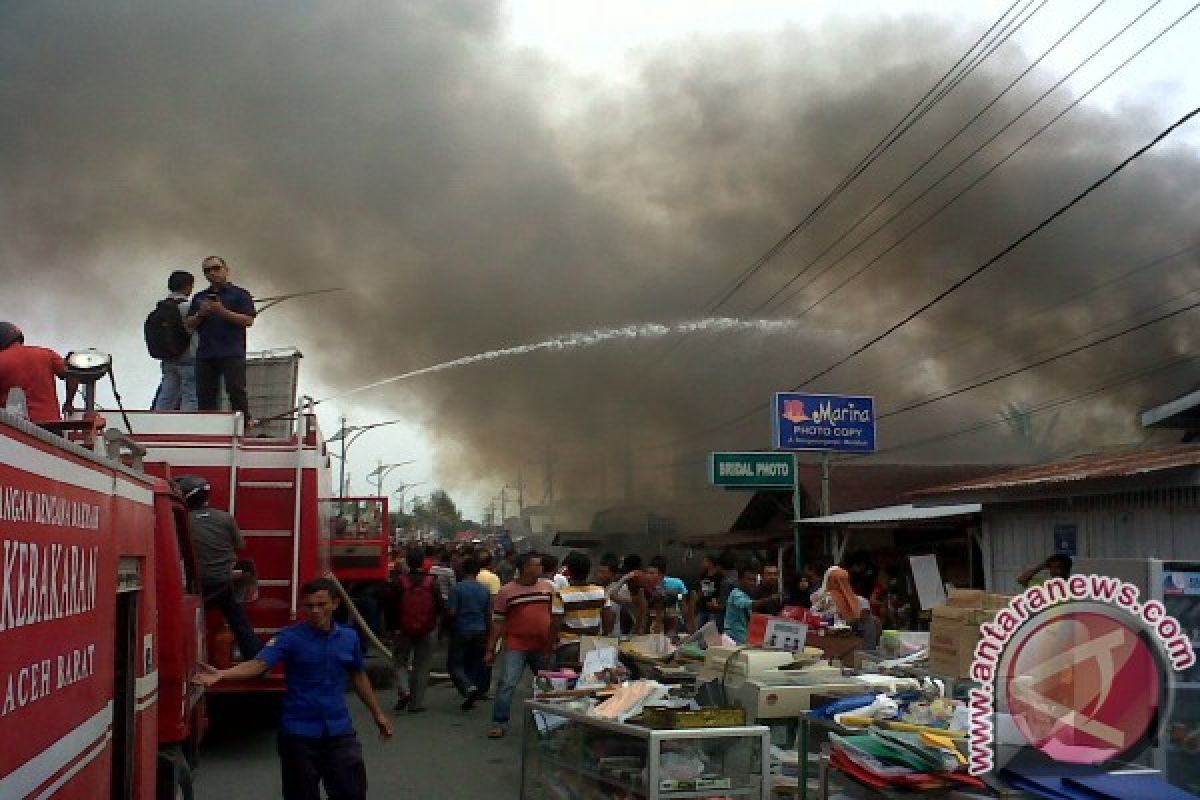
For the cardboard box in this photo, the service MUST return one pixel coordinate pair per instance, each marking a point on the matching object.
(965, 598)
(996, 601)
(954, 630)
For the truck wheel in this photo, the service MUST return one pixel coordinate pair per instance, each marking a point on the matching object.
(174, 777)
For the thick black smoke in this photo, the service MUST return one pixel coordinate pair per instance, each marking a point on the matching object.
(406, 151)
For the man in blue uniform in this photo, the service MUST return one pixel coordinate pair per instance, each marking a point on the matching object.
(220, 315)
(317, 744)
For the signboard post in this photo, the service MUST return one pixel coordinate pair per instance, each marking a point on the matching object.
(827, 423)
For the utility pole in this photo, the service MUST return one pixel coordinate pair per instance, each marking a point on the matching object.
(826, 479)
(342, 469)
(520, 494)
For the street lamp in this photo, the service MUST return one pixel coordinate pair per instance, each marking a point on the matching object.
(348, 435)
(403, 488)
(381, 471)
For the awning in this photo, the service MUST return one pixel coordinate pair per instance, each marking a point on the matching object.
(1182, 413)
(894, 514)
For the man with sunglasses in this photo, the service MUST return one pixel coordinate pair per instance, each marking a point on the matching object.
(220, 315)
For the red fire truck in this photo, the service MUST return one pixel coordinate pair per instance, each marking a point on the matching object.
(100, 625)
(273, 486)
(101, 616)
(277, 486)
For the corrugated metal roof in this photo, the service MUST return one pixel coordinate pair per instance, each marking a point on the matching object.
(901, 513)
(1085, 468)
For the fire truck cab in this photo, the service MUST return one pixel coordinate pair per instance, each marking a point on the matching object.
(101, 625)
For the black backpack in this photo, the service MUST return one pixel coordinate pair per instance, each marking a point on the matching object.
(166, 336)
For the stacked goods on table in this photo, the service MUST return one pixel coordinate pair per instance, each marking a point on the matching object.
(917, 710)
(896, 759)
(648, 652)
(914, 740)
(903, 653)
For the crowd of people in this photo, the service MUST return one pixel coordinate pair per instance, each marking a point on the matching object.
(503, 612)
(508, 612)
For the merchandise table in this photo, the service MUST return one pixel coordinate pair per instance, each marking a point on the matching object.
(571, 754)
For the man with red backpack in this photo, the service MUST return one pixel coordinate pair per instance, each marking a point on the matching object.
(418, 608)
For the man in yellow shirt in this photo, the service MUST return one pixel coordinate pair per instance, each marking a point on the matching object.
(488, 578)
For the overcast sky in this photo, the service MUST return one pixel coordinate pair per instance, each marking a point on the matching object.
(485, 175)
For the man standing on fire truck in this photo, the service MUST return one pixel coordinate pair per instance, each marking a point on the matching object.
(221, 314)
(317, 744)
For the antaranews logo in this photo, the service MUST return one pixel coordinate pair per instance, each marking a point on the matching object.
(1078, 668)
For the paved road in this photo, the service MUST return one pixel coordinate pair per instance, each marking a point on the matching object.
(443, 753)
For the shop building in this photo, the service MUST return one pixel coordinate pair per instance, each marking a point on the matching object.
(1130, 505)
(867, 501)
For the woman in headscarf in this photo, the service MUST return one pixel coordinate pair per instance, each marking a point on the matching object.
(837, 595)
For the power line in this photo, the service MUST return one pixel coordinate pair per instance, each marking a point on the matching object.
(970, 276)
(1138, 314)
(906, 123)
(950, 80)
(1004, 418)
(958, 284)
(1050, 405)
(1012, 28)
(929, 160)
(983, 176)
(1016, 321)
(980, 382)
(1040, 362)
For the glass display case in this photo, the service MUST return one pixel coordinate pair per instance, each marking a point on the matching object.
(1175, 584)
(570, 755)
(1180, 754)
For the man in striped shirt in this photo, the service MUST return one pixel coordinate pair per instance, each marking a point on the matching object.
(580, 609)
(522, 618)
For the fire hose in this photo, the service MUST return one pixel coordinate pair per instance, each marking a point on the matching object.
(362, 624)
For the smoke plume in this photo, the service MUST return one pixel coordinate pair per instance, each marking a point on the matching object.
(409, 152)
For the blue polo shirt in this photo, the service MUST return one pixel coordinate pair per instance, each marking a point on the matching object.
(220, 338)
(472, 603)
(317, 665)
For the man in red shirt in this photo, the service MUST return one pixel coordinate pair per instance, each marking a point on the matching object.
(32, 369)
(523, 618)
